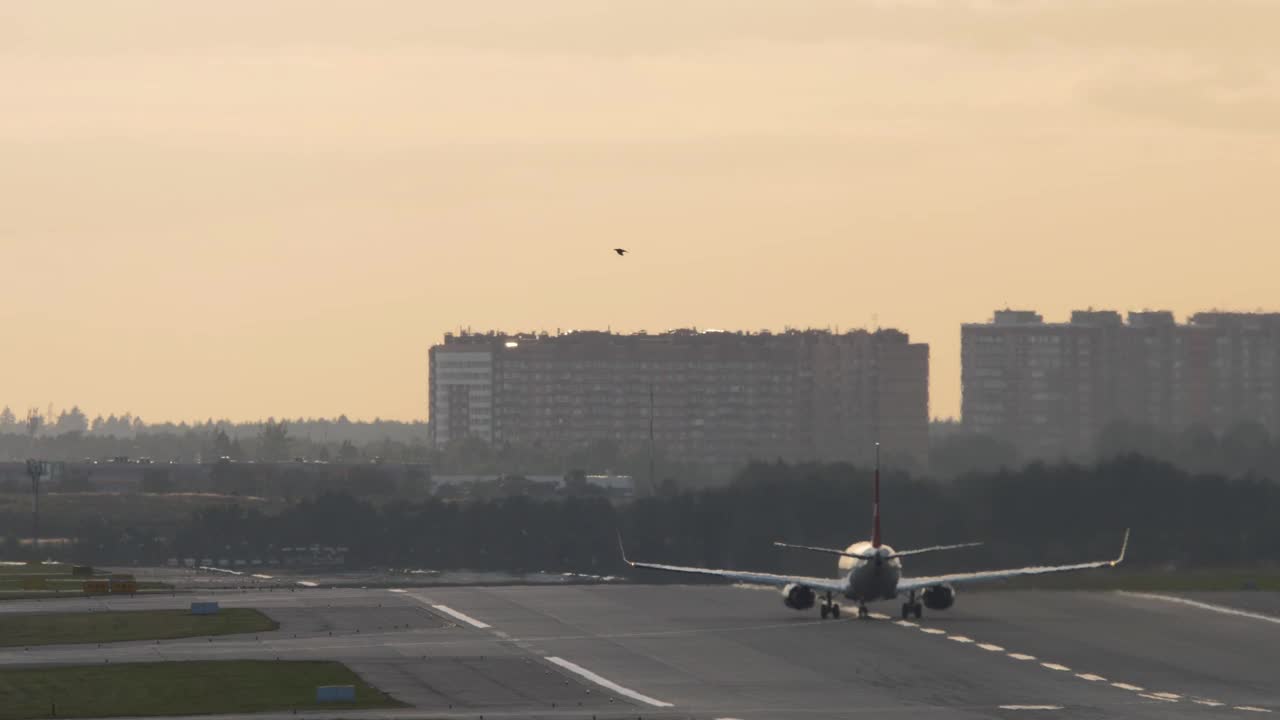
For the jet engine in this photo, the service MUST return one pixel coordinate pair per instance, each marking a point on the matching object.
(938, 597)
(797, 597)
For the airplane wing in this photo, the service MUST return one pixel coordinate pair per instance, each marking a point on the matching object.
(835, 585)
(908, 584)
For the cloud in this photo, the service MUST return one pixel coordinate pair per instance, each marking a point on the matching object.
(1241, 99)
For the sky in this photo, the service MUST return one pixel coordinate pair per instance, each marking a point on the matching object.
(246, 209)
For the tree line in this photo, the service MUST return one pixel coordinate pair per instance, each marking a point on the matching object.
(1041, 513)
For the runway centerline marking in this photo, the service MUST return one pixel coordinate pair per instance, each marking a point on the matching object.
(1127, 686)
(990, 648)
(1224, 610)
(606, 683)
(1022, 656)
(933, 631)
(462, 616)
(1149, 696)
(1168, 695)
(1208, 703)
(960, 639)
(1031, 707)
(1091, 677)
(1055, 666)
(1250, 708)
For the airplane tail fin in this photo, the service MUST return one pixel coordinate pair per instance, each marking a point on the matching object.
(875, 513)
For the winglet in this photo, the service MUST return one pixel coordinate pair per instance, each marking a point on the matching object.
(1123, 547)
(623, 550)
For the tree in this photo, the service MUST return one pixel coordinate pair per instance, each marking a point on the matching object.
(8, 423)
(273, 441)
(221, 445)
(71, 421)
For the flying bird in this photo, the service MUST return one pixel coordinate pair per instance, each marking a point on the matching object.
(620, 251)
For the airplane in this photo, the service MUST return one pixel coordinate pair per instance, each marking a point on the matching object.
(870, 571)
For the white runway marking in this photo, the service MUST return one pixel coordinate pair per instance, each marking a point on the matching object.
(1250, 708)
(1127, 686)
(904, 623)
(933, 631)
(1091, 677)
(260, 576)
(990, 648)
(1030, 707)
(960, 639)
(1208, 703)
(1020, 656)
(308, 583)
(398, 590)
(607, 684)
(1168, 695)
(461, 616)
(1204, 606)
(1155, 697)
(878, 616)
(1055, 666)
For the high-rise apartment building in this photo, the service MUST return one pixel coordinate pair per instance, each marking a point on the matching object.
(1050, 388)
(718, 398)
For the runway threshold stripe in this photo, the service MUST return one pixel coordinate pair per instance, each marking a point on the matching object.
(606, 683)
(1203, 606)
(461, 616)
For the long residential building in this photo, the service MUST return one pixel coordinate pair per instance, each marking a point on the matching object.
(718, 398)
(1051, 388)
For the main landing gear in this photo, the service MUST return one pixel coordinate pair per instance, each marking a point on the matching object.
(829, 609)
(912, 607)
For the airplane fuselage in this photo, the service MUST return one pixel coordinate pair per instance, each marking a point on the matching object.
(871, 578)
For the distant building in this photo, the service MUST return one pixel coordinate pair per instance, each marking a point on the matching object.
(719, 398)
(1050, 388)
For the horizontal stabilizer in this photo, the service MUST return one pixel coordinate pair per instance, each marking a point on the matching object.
(871, 554)
(935, 548)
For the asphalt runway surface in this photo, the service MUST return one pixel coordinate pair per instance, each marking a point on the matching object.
(730, 652)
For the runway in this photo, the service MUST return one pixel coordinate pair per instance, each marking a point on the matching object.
(726, 652)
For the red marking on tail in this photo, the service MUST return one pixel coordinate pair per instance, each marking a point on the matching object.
(875, 516)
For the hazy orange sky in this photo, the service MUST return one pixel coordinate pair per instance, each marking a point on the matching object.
(242, 209)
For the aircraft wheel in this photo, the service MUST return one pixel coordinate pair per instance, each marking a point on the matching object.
(918, 610)
(906, 610)
(835, 612)
(824, 611)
